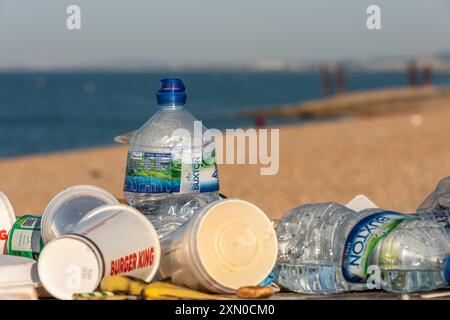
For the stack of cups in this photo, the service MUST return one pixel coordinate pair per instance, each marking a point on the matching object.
(87, 235)
(30, 233)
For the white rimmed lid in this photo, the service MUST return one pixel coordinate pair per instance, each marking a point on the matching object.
(81, 199)
(97, 216)
(17, 271)
(7, 219)
(236, 245)
(68, 265)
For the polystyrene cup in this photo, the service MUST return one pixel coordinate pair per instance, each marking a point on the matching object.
(7, 219)
(68, 207)
(109, 240)
(224, 246)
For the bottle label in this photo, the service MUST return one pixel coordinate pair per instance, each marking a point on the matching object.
(25, 237)
(363, 239)
(155, 172)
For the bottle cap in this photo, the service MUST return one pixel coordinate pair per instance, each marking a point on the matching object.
(172, 92)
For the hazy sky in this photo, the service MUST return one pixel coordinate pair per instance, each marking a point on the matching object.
(34, 33)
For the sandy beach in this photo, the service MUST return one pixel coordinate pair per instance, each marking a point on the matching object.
(396, 160)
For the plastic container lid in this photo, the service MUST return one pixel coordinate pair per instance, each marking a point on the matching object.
(17, 271)
(68, 265)
(68, 207)
(7, 219)
(236, 245)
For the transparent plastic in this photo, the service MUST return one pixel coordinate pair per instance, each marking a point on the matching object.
(168, 211)
(437, 205)
(311, 242)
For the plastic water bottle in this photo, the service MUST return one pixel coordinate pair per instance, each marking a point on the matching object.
(171, 172)
(327, 248)
(437, 205)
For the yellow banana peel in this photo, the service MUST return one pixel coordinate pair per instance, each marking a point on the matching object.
(154, 291)
(168, 291)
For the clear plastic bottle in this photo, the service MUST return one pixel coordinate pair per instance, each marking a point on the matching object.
(437, 205)
(171, 168)
(326, 248)
(414, 257)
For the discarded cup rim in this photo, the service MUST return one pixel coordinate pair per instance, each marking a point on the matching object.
(205, 268)
(88, 252)
(5, 206)
(71, 243)
(210, 255)
(69, 193)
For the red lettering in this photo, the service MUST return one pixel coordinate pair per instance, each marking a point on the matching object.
(133, 261)
(152, 255)
(140, 260)
(113, 268)
(133, 264)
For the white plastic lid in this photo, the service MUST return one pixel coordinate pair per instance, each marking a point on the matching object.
(7, 219)
(236, 244)
(17, 271)
(68, 265)
(68, 207)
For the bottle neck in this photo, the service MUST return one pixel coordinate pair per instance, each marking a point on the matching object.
(171, 107)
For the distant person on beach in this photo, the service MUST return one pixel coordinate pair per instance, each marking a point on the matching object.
(412, 70)
(426, 75)
(340, 78)
(325, 79)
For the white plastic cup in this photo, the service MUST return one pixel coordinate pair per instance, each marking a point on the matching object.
(109, 240)
(69, 206)
(7, 219)
(226, 245)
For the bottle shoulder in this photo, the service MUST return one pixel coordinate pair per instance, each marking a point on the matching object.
(169, 128)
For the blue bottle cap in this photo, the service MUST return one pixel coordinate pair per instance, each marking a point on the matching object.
(172, 92)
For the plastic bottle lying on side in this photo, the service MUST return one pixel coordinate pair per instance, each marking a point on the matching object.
(437, 204)
(170, 171)
(327, 248)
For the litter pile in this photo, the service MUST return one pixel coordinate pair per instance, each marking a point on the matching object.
(179, 239)
(85, 236)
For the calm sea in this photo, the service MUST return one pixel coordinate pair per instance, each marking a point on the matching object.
(42, 112)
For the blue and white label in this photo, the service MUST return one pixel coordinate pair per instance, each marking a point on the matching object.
(363, 239)
(156, 172)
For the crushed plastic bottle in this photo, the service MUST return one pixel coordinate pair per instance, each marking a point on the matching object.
(437, 204)
(327, 248)
(171, 171)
